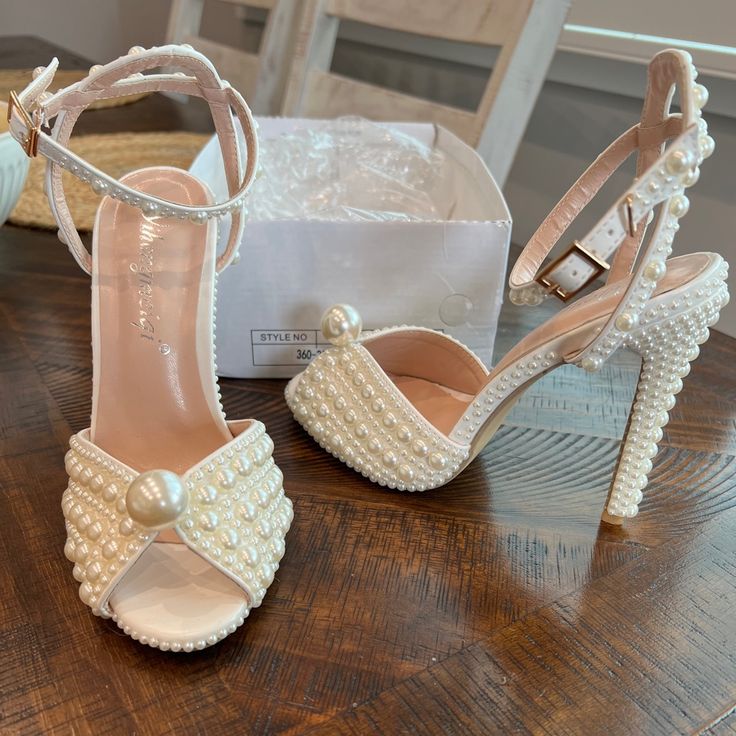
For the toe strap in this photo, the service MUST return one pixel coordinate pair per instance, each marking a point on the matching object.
(236, 516)
(347, 403)
(103, 541)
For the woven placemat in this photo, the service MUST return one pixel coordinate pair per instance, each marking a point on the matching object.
(18, 79)
(114, 153)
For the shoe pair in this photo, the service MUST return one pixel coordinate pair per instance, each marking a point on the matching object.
(175, 517)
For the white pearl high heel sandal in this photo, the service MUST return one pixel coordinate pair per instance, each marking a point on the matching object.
(175, 517)
(409, 408)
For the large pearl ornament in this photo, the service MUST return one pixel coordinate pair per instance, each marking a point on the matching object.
(156, 499)
(341, 324)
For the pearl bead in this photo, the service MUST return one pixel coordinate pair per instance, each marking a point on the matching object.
(110, 492)
(248, 511)
(374, 446)
(226, 478)
(438, 461)
(99, 186)
(126, 527)
(69, 549)
(591, 364)
(136, 50)
(406, 473)
(707, 146)
(341, 324)
(95, 68)
(691, 177)
(206, 495)
(700, 96)
(208, 521)
(38, 71)
(156, 499)
(654, 270)
(419, 448)
(229, 539)
(390, 459)
(198, 218)
(678, 162)
(243, 465)
(679, 206)
(110, 549)
(626, 321)
(403, 433)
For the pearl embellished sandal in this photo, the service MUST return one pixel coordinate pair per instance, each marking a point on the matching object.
(409, 408)
(175, 517)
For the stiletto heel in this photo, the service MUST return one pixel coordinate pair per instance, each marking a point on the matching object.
(410, 408)
(666, 348)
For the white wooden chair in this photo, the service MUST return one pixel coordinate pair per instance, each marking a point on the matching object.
(526, 31)
(260, 77)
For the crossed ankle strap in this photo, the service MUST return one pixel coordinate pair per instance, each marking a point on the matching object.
(29, 111)
(659, 178)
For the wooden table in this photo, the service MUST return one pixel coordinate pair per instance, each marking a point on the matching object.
(494, 605)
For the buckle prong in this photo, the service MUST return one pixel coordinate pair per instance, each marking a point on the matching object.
(598, 264)
(30, 145)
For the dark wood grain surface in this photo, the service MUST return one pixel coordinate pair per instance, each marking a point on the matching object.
(497, 604)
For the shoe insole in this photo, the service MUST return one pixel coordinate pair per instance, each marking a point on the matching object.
(571, 329)
(155, 403)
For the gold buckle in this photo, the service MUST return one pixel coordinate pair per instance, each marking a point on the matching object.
(30, 145)
(599, 266)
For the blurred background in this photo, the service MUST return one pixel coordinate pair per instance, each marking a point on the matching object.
(592, 89)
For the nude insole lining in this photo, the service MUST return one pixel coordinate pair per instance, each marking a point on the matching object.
(155, 399)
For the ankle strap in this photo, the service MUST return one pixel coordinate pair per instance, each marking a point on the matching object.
(29, 111)
(621, 229)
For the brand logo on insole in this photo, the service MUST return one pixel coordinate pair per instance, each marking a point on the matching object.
(145, 320)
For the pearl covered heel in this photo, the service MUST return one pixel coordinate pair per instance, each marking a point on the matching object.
(667, 347)
(409, 408)
(176, 518)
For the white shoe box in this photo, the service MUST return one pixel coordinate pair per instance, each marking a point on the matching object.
(446, 274)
